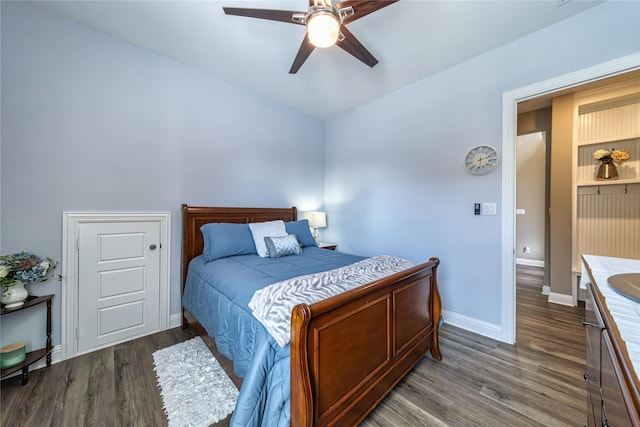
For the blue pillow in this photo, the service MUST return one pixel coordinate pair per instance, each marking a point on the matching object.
(222, 239)
(302, 231)
(278, 246)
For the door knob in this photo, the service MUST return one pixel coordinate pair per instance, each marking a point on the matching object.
(152, 246)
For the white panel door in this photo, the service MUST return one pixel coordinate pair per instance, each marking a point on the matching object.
(118, 282)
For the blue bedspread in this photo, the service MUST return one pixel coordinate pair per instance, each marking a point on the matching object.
(218, 293)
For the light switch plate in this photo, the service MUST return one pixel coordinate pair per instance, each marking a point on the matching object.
(488, 209)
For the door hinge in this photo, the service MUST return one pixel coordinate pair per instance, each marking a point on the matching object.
(77, 332)
(77, 243)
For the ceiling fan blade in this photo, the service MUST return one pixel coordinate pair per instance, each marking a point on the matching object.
(271, 15)
(351, 45)
(303, 53)
(362, 8)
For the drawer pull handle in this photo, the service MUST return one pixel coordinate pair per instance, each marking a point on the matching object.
(593, 325)
(588, 377)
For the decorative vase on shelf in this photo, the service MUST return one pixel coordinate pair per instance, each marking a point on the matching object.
(606, 171)
(13, 296)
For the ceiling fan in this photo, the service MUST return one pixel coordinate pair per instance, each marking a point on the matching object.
(326, 25)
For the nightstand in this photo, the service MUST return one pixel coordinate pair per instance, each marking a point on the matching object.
(329, 246)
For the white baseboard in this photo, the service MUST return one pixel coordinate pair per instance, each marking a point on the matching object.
(175, 320)
(562, 299)
(474, 325)
(56, 356)
(530, 262)
(556, 298)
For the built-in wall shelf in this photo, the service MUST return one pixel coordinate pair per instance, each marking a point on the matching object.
(628, 171)
(622, 182)
(609, 142)
(606, 213)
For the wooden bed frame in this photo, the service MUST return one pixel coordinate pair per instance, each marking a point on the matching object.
(350, 350)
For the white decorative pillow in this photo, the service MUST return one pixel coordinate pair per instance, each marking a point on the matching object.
(260, 230)
(282, 246)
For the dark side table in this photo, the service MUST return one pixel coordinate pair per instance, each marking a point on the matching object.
(32, 356)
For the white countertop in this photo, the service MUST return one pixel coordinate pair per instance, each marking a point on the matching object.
(625, 311)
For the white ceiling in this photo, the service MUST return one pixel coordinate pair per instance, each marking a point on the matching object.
(412, 39)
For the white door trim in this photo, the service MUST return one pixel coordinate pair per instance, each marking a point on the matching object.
(509, 125)
(71, 222)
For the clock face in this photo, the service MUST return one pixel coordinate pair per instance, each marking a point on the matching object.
(481, 160)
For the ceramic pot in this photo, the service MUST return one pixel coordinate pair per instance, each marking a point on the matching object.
(14, 295)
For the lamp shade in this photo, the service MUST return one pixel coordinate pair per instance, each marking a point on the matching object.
(316, 219)
(323, 29)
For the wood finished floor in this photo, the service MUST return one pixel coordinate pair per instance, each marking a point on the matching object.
(479, 382)
(482, 382)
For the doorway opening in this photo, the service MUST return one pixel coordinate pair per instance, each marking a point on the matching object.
(540, 93)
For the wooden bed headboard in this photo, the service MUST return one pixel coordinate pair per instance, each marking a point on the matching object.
(194, 217)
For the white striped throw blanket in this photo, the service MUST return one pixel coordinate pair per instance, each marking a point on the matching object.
(272, 305)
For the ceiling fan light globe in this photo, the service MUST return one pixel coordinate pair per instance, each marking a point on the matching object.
(323, 29)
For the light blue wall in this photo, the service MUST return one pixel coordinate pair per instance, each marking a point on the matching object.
(92, 123)
(394, 178)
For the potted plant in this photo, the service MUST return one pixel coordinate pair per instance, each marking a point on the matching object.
(19, 269)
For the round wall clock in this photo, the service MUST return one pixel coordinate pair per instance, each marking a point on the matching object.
(481, 160)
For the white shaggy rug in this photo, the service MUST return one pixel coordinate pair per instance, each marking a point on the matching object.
(196, 391)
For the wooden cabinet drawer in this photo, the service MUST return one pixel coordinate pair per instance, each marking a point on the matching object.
(615, 406)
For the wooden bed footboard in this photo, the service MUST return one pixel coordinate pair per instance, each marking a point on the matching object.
(349, 351)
